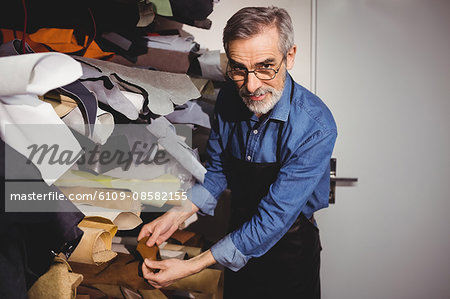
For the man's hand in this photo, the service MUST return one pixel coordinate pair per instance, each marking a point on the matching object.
(172, 270)
(163, 227)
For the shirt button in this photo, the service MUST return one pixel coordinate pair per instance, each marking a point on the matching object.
(255, 132)
(249, 158)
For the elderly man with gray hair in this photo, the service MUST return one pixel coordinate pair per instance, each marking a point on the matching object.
(271, 145)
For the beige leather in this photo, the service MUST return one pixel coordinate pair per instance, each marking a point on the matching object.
(95, 245)
(59, 282)
(62, 104)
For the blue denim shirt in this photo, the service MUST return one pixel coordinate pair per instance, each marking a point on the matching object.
(303, 183)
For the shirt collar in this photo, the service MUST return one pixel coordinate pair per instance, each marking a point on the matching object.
(281, 109)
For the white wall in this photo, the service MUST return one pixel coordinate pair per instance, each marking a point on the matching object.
(383, 67)
(301, 18)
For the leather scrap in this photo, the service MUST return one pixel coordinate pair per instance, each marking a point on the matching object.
(182, 236)
(59, 282)
(95, 245)
(151, 253)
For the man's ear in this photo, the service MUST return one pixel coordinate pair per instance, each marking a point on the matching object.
(290, 57)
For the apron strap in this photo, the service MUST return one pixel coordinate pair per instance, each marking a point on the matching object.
(280, 131)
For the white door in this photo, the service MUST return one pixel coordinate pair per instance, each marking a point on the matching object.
(383, 67)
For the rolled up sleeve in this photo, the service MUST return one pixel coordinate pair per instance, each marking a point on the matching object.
(203, 199)
(226, 254)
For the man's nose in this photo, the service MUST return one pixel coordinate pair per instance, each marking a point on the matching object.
(253, 83)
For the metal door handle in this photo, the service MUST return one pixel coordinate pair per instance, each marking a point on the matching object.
(334, 180)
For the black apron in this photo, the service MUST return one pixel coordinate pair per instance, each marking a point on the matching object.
(290, 269)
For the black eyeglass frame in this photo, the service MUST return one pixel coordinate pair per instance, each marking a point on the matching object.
(254, 72)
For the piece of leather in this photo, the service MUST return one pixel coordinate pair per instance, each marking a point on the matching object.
(124, 271)
(90, 292)
(109, 94)
(166, 184)
(99, 222)
(190, 250)
(151, 253)
(182, 236)
(62, 104)
(95, 245)
(125, 220)
(86, 100)
(27, 122)
(153, 294)
(167, 137)
(13, 47)
(207, 281)
(58, 40)
(58, 282)
(189, 11)
(146, 13)
(28, 74)
(103, 128)
(173, 43)
(163, 90)
(193, 112)
(130, 294)
(74, 90)
(210, 64)
(162, 60)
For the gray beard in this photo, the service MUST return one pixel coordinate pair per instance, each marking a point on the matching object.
(263, 106)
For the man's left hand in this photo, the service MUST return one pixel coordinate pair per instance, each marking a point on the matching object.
(171, 270)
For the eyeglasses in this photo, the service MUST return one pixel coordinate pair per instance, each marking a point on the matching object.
(261, 73)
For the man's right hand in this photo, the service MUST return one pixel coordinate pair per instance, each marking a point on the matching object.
(164, 226)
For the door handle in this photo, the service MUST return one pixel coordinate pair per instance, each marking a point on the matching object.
(340, 181)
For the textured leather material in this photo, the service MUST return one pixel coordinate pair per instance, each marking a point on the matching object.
(58, 282)
(95, 246)
(125, 271)
(146, 252)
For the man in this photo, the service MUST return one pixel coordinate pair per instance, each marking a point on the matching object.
(271, 145)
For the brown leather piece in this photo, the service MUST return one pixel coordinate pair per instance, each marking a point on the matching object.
(90, 292)
(125, 270)
(130, 294)
(146, 252)
(182, 236)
